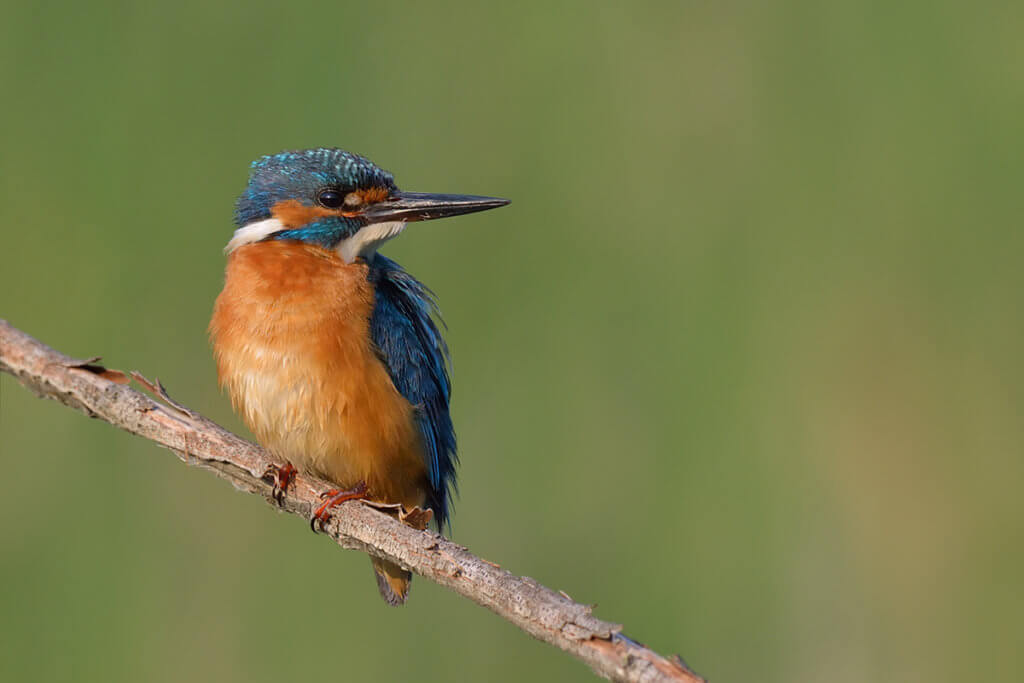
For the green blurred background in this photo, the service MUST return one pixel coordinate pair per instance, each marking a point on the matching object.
(741, 362)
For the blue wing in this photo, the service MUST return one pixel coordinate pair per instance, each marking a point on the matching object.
(403, 328)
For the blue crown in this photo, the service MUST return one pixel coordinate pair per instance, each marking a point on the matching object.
(299, 175)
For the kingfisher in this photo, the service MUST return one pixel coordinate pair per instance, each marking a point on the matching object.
(330, 351)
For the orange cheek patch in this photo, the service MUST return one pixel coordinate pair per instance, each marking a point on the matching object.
(373, 194)
(294, 214)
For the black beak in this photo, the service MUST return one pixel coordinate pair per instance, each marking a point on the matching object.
(421, 206)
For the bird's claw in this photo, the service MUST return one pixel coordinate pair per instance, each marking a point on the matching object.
(283, 476)
(333, 498)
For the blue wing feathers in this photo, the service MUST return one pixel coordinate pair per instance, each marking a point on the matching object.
(411, 345)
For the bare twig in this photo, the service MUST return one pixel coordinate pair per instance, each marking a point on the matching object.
(545, 614)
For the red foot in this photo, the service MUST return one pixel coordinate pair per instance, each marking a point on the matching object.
(283, 476)
(334, 498)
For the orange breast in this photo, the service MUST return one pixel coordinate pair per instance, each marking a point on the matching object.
(291, 337)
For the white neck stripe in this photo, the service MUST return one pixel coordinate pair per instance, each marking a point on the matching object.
(253, 232)
(364, 243)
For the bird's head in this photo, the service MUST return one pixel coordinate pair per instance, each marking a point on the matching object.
(337, 200)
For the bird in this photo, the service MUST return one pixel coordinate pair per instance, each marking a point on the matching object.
(331, 352)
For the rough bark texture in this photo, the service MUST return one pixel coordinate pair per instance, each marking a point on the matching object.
(545, 614)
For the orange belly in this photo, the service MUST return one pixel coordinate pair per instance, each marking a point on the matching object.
(291, 337)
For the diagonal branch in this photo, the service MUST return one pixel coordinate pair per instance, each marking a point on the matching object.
(545, 614)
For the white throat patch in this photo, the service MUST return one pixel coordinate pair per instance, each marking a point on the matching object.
(365, 242)
(253, 232)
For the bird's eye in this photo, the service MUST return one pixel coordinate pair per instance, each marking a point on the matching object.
(332, 199)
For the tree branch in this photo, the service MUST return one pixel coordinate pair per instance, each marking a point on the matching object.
(541, 612)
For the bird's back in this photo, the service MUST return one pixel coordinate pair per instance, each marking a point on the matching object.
(412, 347)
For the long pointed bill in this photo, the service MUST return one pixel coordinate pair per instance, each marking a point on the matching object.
(421, 206)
